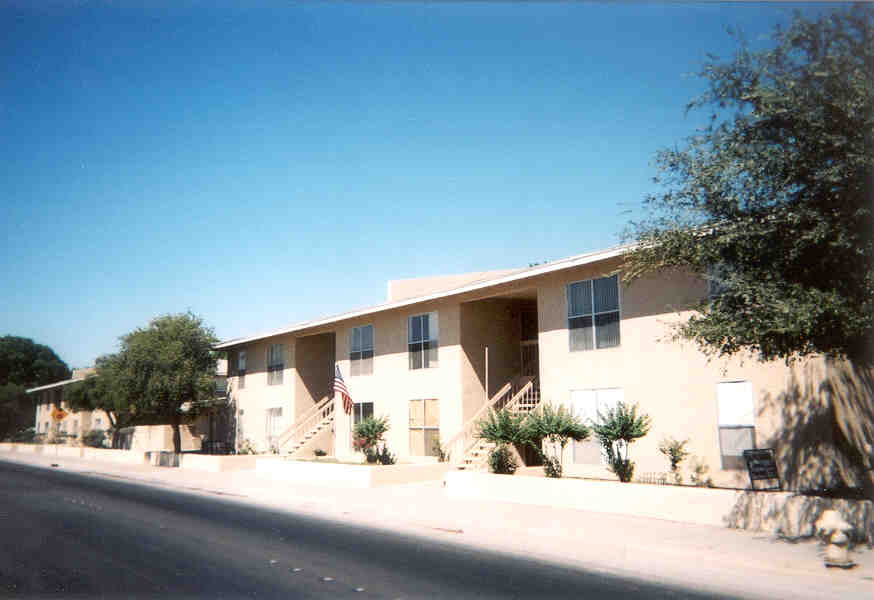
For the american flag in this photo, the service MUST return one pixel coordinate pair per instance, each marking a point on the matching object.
(340, 386)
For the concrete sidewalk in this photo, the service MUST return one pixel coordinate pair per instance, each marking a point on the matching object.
(733, 562)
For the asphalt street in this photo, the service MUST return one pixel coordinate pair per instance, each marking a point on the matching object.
(67, 535)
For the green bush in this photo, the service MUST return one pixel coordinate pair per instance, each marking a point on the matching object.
(502, 461)
(385, 457)
(675, 451)
(616, 430)
(502, 427)
(557, 426)
(25, 436)
(94, 438)
(552, 467)
(368, 433)
(246, 447)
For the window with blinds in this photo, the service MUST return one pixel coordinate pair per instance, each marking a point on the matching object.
(593, 313)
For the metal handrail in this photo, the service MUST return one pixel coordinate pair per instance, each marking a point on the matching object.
(467, 428)
(307, 421)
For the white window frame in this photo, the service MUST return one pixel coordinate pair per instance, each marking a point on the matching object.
(424, 426)
(275, 367)
(360, 364)
(433, 341)
(601, 404)
(731, 415)
(592, 314)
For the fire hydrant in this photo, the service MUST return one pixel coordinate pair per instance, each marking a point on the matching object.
(833, 527)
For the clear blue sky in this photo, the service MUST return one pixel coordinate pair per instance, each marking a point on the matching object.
(263, 165)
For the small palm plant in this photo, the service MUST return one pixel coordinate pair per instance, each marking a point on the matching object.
(368, 433)
(616, 430)
(675, 451)
(558, 426)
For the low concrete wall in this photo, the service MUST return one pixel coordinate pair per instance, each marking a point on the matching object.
(408, 473)
(794, 516)
(689, 505)
(217, 464)
(117, 456)
(354, 476)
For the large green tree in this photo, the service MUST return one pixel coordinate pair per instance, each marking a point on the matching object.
(24, 364)
(104, 392)
(776, 193)
(167, 370)
(773, 202)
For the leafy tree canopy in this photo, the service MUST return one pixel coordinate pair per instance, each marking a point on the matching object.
(26, 363)
(161, 374)
(777, 193)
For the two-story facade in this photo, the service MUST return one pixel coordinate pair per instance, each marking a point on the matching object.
(566, 333)
(50, 397)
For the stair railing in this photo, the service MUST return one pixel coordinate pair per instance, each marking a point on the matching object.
(461, 442)
(523, 402)
(308, 421)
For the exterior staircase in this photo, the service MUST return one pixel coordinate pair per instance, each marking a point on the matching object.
(294, 440)
(467, 451)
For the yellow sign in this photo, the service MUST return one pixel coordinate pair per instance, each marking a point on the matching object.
(58, 414)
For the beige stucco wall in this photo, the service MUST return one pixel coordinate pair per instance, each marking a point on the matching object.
(673, 382)
(492, 323)
(79, 422)
(257, 396)
(399, 289)
(392, 384)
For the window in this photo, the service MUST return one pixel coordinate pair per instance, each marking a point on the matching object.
(275, 364)
(586, 404)
(361, 411)
(98, 422)
(422, 334)
(76, 427)
(46, 430)
(736, 422)
(274, 426)
(593, 313)
(424, 427)
(241, 369)
(361, 350)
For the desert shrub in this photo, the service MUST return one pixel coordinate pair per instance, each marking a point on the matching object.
(699, 472)
(675, 451)
(552, 466)
(246, 447)
(557, 426)
(502, 461)
(94, 438)
(501, 427)
(616, 430)
(24, 436)
(385, 457)
(368, 433)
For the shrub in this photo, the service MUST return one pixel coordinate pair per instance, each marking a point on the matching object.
(699, 473)
(94, 438)
(616, 430)
(25, 436)
(557, 426)
(385, 457)
(552, 467)
(246, 447)
(368, 433)
(439, 452)
(501, 427)
(675, 451)
(319, 452)
(502, 461)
